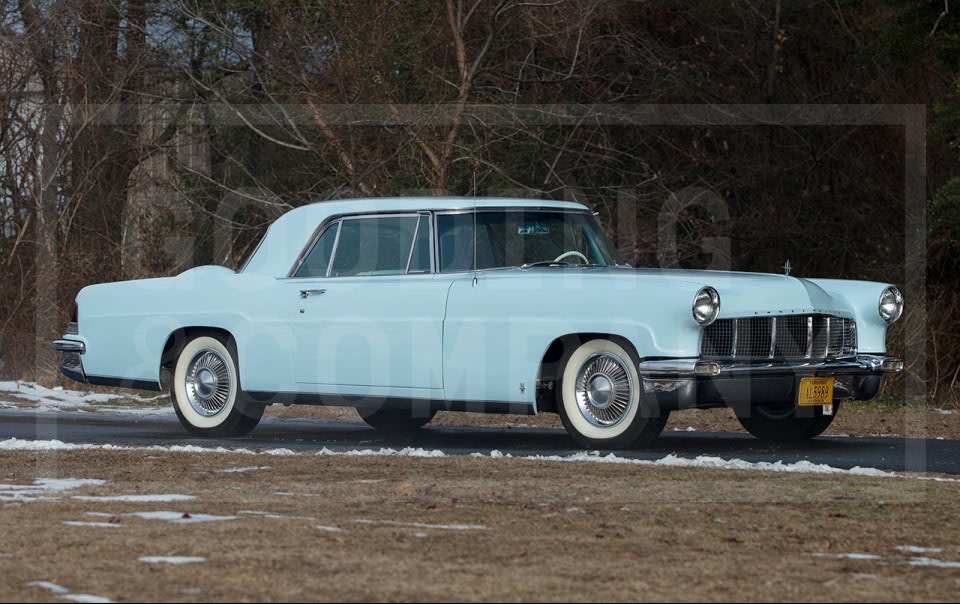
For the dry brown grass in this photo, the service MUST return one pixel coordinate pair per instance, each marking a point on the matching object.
(554, 531)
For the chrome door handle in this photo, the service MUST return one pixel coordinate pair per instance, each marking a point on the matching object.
(306, 293)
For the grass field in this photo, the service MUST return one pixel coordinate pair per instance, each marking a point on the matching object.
(309, 527)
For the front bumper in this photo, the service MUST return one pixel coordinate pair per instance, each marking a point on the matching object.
(699, 383)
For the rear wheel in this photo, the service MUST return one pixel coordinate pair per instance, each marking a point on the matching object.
(395, 421)
(206, 390)
(602, 405)
(786, 424)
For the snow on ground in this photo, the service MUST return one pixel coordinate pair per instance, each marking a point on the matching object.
(853, 556)
(171, 559)
(92, 524)
(65, 594)
(273, 516)
(44, 488)
(243, 469)
(921, 561)
(420, 525)
(701, 461)
(179, 517)
(916, 549)
(59, 399)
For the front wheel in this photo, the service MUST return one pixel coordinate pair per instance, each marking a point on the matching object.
(602, 404)
(784, 424)
(206, 390)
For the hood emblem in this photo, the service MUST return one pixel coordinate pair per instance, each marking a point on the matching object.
(787, 268)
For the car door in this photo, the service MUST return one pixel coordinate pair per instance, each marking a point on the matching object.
(370, 308)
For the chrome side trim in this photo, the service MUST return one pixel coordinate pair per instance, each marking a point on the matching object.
(68, 346)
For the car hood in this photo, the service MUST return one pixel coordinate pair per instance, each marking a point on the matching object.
(741, 294)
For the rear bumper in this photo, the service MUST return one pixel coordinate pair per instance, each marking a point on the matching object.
(71, 366)
(696, 383)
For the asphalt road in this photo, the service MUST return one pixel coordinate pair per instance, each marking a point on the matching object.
(885, 453)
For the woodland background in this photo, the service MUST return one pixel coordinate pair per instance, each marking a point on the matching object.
(138, 138)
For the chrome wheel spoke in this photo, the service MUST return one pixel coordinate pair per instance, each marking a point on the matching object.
(604, 390)
(208, 382)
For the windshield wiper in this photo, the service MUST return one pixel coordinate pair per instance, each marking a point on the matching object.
(561, 263)
(545, 263)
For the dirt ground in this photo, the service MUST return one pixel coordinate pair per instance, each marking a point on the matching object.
(463, 528)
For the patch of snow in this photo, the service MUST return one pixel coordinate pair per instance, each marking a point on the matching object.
(921, 561)
(64, 593)
(386, 452)
(944, 411)
(49, 586)
(853, 556)
(709, 461)
(98, 524)
(87, 599)
(687, 429)
(574, 510)
(420, 525)
(171, 559)
(164, 498)
(44, 488)
(273, 516)
(916, 549)
(329, 529)
(179, 517)
(280, 451)
(243, 469)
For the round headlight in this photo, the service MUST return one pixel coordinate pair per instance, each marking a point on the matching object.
(891, 304)
(706, 306)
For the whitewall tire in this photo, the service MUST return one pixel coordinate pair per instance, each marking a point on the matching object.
(206, 390)
(601, 398)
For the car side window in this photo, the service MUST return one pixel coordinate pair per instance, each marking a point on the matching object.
(375, 245)
(318, 260)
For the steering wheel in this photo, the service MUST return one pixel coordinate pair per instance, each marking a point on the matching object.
(571, 253)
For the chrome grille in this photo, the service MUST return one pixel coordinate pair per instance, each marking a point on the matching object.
(784, 337)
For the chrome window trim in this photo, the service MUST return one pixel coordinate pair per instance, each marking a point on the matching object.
(434, 236)
(413, 245)
(320, 230)
(423, 216)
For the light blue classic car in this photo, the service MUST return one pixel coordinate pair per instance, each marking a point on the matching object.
(406, 306)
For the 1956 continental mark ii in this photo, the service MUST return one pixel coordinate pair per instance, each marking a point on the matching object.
(405, 306)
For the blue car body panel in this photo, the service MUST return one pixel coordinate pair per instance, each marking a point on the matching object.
(439, 336)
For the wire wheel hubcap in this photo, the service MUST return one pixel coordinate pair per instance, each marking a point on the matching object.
(208, 383)
(604, 390)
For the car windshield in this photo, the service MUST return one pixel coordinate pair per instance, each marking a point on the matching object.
(518, 238)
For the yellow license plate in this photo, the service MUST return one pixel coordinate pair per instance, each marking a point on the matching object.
(815, 391)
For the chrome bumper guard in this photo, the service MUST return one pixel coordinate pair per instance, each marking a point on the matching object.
(71, 363)
(693, 368)
(69, 346)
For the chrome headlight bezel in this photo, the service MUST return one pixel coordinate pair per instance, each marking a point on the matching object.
(890, 305)
(706, 306)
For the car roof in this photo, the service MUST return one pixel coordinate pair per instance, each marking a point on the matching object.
(286, 237)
